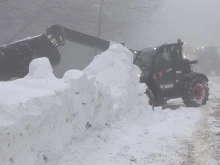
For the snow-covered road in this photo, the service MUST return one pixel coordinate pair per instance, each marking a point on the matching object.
(159, 137)
(205, 147)
(162, 137)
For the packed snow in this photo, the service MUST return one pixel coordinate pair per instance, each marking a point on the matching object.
(41, 115)
(100, 116)
(151, 137)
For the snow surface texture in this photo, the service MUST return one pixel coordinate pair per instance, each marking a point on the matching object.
(157, 137)
(41, 115)
(206, 139)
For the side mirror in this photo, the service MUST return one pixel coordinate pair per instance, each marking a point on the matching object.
(193, 62)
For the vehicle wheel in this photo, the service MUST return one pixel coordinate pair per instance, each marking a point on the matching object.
(195, 92)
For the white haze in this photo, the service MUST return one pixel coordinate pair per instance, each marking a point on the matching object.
(197, 22)
(137, 23)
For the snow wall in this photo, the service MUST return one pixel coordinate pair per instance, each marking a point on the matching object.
(41, 115)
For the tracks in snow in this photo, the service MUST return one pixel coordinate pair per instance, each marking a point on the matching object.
(205, 146)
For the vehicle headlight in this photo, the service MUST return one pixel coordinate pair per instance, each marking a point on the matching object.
(139, 75)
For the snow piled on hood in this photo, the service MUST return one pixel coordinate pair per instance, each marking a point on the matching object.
(41, 115)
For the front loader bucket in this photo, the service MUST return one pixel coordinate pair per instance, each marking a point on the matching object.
(16, 57)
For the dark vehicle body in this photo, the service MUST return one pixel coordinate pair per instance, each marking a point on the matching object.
(166, 72)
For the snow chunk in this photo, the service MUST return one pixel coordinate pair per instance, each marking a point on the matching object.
(40, 68)
(77, 79)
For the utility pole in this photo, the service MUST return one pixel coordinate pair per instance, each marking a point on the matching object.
(100, 18)
(100, 23)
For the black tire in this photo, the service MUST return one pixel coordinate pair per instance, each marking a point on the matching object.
(195, 92)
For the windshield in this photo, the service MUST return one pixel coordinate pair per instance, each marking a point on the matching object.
(145, 57)
(144, 60)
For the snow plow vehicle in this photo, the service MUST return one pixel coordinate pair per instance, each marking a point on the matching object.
(168, 75)
(164, 70)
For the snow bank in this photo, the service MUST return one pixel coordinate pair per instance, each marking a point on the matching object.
(41, 115)
(115, 71)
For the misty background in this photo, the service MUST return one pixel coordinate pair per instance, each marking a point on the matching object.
(137, 23)
(197, 22)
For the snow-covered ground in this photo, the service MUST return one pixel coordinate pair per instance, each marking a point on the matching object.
(205, 148)
(100, 116)
(186, 136)
(159, 137)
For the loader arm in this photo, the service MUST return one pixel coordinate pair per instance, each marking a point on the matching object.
(85, 39)
(15, 57)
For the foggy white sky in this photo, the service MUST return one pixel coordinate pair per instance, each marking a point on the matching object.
(197, 22)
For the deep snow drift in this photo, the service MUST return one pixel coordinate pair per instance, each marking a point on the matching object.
(96, 116)
(41, 115)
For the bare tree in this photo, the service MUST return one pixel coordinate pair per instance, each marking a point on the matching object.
(96, 17)
(18, 16)
(115, 17)
(117, 20)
